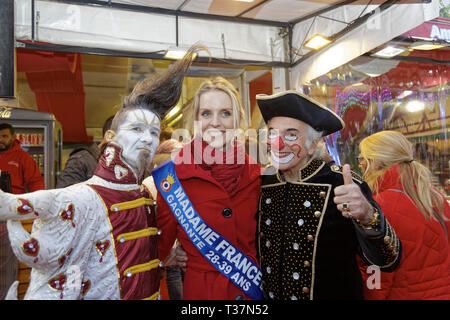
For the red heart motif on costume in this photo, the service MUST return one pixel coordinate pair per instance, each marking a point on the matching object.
(62, 259)
(58, 283)
(68, 214)
(25, 207)
(101, 247)
(85, 286)
(31, 247)
(109, 155)
(120, 172)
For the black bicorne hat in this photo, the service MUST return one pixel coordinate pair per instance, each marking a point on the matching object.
(294, 104)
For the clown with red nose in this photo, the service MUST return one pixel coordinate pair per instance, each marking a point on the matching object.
(315, 216)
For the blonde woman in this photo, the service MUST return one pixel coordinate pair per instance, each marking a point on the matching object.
(223, 183)
(419, 214)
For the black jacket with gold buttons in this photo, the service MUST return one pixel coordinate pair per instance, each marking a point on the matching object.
(307, 249)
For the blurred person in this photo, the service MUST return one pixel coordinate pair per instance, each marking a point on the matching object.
(82, 161)
(8, 261)
(221, 183)
(173, 273)
(166, 134)
(25, 176)
(98, 239)
(315, 216)
(24, 171)
(419, 214)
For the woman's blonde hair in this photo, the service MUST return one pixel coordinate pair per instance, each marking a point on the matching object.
(385, 149)
(219, 83)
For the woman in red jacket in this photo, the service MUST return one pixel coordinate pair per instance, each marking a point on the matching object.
(417, 211)
(223, 184)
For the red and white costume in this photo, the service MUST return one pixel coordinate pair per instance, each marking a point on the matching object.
(93, 240)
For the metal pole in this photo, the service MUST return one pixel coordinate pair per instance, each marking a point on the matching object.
(32, 21)
(7, 65)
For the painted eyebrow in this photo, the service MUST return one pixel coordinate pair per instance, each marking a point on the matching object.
(142, 124)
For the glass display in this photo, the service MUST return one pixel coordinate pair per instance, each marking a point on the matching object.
(376, 94)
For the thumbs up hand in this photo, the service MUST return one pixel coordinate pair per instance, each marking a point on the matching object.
(350, 200)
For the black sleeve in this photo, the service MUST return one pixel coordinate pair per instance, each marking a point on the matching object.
(379, 246)
(77, 169)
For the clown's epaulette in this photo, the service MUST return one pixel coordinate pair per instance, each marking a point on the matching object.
(338, 169)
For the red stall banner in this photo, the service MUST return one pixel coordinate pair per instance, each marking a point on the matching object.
(57, 81)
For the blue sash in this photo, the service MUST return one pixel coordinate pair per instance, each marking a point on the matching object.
(221, 253)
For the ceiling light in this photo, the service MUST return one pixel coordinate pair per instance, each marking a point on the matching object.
(317, 42)
(423, 45)
(176, 53)
(415, 105)
(389, 52)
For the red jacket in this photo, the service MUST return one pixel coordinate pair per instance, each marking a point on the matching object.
(23, 170)
(202, 281)
(424, 271)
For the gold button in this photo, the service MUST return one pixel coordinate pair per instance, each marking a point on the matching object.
(307, 264)
(310, 237)
(322, 194)
(387, 240)
(317, 214)
(305, 289)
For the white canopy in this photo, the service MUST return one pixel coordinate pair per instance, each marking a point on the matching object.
(267, 32)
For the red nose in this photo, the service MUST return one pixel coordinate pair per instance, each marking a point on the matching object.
(277, 144)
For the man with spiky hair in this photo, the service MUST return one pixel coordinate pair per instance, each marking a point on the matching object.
(98, 239)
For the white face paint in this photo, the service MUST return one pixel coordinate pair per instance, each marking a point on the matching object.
(138, 132)
(287, 137)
